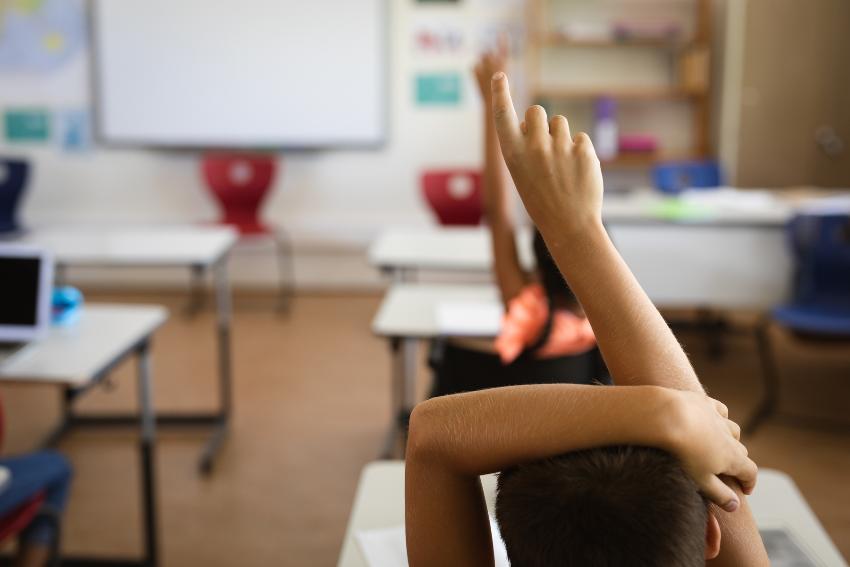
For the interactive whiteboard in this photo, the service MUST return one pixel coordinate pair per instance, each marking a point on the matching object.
(247, 73)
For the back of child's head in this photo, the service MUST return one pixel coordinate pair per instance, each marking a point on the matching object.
(550, 276)
(603, 507)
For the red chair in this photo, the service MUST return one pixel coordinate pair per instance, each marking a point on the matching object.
(240, 183)
(454, 195)
(16, 521)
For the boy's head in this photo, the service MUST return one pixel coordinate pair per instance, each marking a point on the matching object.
(604, 507)
(550, 276)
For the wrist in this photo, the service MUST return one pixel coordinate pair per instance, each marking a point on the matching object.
(672, 421)
(662, 418)
(574, 233)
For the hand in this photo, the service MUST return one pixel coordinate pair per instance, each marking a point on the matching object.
(557, 176)
(490, 63)
(710, 449)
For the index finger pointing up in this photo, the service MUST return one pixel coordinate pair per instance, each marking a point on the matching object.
(507, 123)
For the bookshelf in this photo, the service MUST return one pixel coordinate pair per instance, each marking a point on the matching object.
(669, 70)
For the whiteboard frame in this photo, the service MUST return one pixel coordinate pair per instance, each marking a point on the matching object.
(101, 139)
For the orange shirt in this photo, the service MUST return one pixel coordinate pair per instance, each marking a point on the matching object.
(526, 318)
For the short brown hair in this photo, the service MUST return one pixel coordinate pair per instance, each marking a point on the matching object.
(609, 506)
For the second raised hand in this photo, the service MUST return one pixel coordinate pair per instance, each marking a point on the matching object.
(558, 176)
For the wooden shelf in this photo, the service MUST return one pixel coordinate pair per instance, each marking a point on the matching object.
(658, 93)
(647, 159)
(558, 40)
(688, 56)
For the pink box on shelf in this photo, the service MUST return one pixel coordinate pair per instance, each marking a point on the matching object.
(638, 143)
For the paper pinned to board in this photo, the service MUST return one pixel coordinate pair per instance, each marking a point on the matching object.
(469, 318)
(5, 478)
(785, 551)
(837, 204)
(386, 547)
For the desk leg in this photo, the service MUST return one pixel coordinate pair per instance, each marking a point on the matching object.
(223, 317)
(402, 393)
(148, 424)
(197, 293)
(410, 348)
(770, 376)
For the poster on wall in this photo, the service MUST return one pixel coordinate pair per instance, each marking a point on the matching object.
(438, 89)
(26, 125)
(490, 34)
(74, 130)
(433, 38)
(39, 36)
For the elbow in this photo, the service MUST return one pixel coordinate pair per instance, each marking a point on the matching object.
(423, 431)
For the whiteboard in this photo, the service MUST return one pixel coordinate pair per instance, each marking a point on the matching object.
(252, 73)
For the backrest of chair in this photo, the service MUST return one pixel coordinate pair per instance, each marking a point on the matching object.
(675, 177)
(12, 523)
(13, 179)
(820, 244)
(239, 182)
(454, 195)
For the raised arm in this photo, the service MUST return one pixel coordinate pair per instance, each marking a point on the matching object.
(559, 179)
(454, 439)
(496, 184)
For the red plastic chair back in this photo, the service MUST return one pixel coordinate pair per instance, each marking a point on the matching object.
(454, 196)
(18, 519)
(240, 183)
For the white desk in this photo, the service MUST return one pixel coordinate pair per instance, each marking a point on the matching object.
(379, 503)
(77, 358)
(728, 257)
(174, 246)
(716, 266)
(408, 313)
(199, 248)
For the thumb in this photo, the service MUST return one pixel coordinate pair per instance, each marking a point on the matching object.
(722, 495)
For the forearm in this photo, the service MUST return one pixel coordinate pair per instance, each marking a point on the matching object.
(499, 215)
(484, 432)
(637, 344)
(495, 177)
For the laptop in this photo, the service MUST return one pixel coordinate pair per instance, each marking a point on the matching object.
(26, 286)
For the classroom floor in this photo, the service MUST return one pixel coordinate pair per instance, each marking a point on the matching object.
(312, 406)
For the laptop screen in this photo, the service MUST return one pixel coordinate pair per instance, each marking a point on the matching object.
(19, 282)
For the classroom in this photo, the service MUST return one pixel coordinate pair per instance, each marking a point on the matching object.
(424, 282)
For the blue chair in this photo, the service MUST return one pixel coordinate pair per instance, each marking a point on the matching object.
(676, 176)
(12, 184)
(819, 311)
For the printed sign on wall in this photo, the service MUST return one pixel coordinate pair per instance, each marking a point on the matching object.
(74, 130)
(26, 124)
(438, 89)
(437, 39)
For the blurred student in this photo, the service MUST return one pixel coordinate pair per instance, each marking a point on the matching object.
(650, 472)
(43, 472)
(545, 336)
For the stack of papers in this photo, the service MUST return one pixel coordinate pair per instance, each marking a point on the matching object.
(469, 318)
(839, 204)
(784, 551)
(5, 478)
(386, 547)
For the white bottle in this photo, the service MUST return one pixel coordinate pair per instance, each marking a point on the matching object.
(606, 139)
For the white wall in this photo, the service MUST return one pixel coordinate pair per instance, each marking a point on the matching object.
(333, 203)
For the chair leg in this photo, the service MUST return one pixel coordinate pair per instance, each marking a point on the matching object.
(286, 271)
(770, 377)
